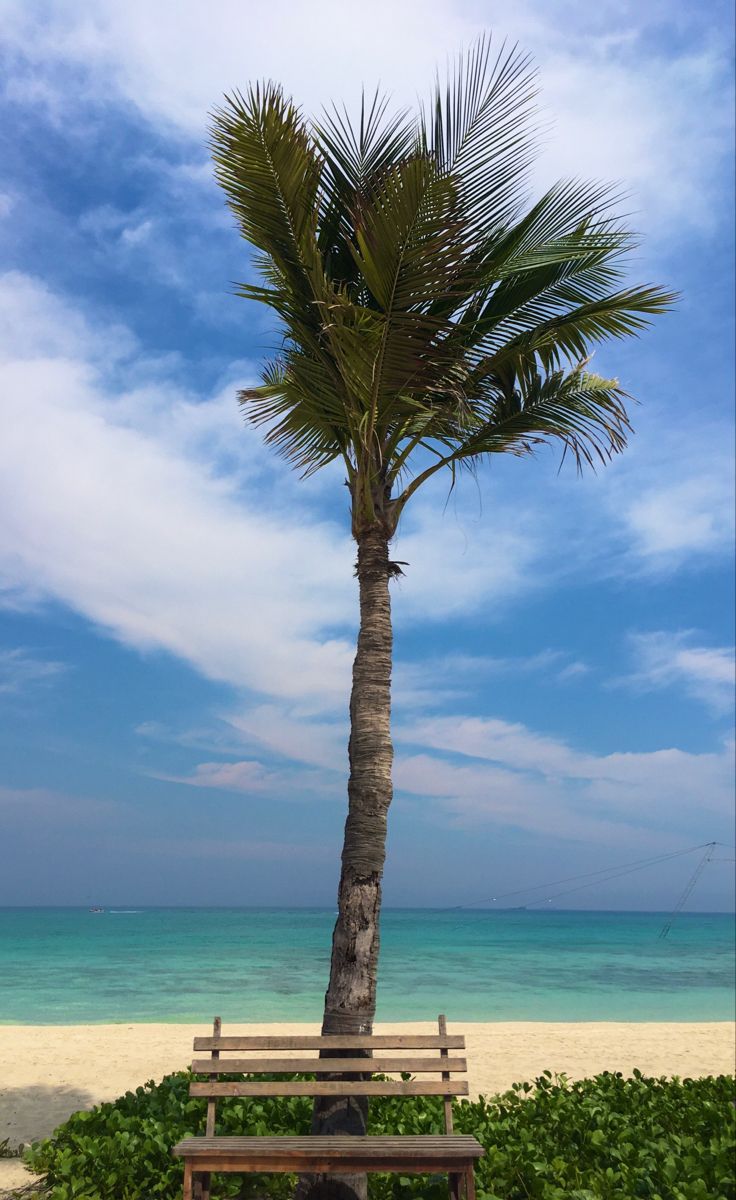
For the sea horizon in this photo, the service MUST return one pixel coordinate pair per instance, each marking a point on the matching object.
(137, 906)
(134, 963)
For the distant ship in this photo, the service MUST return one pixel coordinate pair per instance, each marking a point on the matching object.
(97, 910)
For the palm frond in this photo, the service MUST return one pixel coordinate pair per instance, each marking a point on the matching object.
(425, 306)
(266, 163)
(479, 128)
(354, 159)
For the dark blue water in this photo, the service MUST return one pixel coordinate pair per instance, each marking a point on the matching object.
(67, 966)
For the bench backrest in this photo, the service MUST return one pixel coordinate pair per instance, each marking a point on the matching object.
(344, 1065)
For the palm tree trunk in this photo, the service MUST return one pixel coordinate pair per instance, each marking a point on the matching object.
(350, 1001)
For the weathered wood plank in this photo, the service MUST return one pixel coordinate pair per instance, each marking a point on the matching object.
(212, 1104)
(370, 1145)
(400, 1041)
(327, 1066)
(442, 1024)
(331, 1087)
(333, 1163)
(413, 1155)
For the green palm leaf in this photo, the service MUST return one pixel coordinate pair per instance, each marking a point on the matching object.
(424, 306)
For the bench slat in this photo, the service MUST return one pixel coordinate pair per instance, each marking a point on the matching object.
(332, 1162)
(332, 1087)
(399, 1041)
(439, 1144)
(327, 1066)
(331, 1154)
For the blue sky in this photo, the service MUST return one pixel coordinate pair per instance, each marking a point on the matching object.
(177, 610)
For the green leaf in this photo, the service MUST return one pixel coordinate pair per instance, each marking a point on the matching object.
(426, 308)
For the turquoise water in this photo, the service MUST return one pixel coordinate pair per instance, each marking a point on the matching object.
(66, 966)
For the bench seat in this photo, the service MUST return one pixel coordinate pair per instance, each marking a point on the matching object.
(422, 1154)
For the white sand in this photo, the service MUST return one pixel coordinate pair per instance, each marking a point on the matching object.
(49, 1072)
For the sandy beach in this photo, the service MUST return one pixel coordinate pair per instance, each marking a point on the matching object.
(50, 1072)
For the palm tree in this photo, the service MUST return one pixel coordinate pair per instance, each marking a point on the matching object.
(430, 317)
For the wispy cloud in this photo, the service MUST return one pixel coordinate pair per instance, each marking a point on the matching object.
(480, 771)
(573, 670)
(446, 678)
(674, 521)
(487, 771)
(244, 776)
(294, 734)
(20, 669)
(676, 660)
(458, 563)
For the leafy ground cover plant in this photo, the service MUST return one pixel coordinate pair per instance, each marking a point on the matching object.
(607, 1138)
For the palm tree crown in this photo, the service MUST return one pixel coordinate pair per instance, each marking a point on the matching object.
(430, 316)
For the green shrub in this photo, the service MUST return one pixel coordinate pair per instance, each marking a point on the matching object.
(607, 1138)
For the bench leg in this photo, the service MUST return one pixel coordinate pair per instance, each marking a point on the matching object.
(455, 1181)
(205, 1185)
(187, 1195)
(470, 1183)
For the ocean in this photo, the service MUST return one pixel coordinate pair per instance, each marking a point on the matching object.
(71, 966)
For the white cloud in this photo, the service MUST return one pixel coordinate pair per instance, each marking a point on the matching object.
(147, 54)
(215, 737)
(618, 111)
(693, 516)
(457, 562)
(511, 745)
(509, 775)
(445, 679)
(145, 541)
(36, 323)
(294, 734)
(244, 776)
(19, 670)
(480, 771)
(666, 659)
(625, 113)
(134, 235)
(667, 503)
(573, 670)
(156, 516)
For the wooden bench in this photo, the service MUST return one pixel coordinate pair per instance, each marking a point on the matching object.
(446, 1153)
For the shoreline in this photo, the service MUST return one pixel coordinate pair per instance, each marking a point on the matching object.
(421, 1024)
